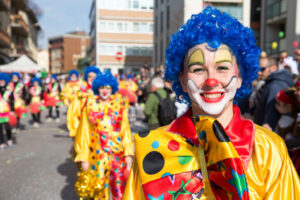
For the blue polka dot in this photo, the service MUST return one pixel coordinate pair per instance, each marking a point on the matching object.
(202, 135)
(166, 174)
(93, 167)
(97, 152)
(155, 144)
(106, 185)
(92, 134)
(119, 139)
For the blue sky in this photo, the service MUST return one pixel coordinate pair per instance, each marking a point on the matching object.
(62, 16)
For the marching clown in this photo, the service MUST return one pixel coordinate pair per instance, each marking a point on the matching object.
(17, 88)
(71, 87)
(103, 142)
(212, 152)
(52, 99)
(5, 98)
(80, 98)
(36, 104)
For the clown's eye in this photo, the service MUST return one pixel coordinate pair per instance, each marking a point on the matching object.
(222, 68)
(198, 70)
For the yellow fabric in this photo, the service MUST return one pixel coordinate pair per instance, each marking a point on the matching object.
(75, 109)
(90, 127)
(69, 91)
(270, 175)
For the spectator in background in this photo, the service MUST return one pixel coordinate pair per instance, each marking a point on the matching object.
(275, 80)
(151, 106)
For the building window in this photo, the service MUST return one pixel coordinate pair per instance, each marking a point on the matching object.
(111, 26)
(144, 28)
(151, 28)
(120, 26)
(136, 4)
(136, 27)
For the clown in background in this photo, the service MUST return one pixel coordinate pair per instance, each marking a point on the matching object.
(212, 152)
(79, 101)
(103, 142)
(36, 101)
(52, 97)
(71, 87)
(5, 98)
(17, 88)
(128, 88)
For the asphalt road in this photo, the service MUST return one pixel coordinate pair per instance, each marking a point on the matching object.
(39, 167)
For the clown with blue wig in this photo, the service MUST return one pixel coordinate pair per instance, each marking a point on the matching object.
(36, 104)
(52, 99)
(211, 151)
(103, 142)
(17, 88)
(71, 87)
(5, 108)
(79, 99)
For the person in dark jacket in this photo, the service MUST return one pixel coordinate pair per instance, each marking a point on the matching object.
(275, 80)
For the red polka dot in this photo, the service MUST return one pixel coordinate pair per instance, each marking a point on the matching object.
(173, 145)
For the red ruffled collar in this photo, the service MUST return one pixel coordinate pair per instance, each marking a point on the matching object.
(241, 132)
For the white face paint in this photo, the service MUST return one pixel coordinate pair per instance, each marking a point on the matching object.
(105, 92)
(214, 107)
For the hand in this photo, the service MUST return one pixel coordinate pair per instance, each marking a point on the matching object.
(85, 166)
(267, 126)
(128, 162)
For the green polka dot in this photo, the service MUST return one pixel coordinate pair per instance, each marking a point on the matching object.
(98, 175)
(184, 159)
(98, 163)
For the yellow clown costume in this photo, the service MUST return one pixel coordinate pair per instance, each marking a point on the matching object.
(211, 60)
(103, 139)
(76, 107)
(177, 158)
(71, 88)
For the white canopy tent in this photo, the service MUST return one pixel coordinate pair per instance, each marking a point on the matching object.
(22, 64)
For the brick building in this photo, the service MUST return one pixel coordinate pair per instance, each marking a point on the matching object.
(65, 50)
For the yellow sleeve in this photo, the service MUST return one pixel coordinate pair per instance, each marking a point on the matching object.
(287, 184)
(73, 115)
(127, 136)
(134, 190)
(65, 94)
(82, 139)
(271, 173)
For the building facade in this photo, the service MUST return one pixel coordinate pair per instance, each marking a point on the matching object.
(43, 59)
(122, 34)
(279, 16)
(66, 50)
(169, 15)
(19, 30)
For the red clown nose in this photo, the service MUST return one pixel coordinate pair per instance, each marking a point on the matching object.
(211, 82)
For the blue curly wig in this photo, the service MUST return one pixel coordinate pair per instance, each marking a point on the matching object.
(4, 77)
(215, 28)
(73, 72)
(105, 79)
(54, 77)
(89, 69)
(15, 73)
(35, 79)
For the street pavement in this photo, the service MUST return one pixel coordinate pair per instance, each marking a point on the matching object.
(39, 167)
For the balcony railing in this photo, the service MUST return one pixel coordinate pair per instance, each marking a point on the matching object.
(4, 5)
(276, 9)
(281, 46)
(4, 39)
(18, 25)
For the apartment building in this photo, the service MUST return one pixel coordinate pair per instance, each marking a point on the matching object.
(66, 50)
(122, 34)
(280, 16)
(19, 30)
(169, 15)
(43, 59)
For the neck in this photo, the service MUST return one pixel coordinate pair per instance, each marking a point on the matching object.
(224, 117)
